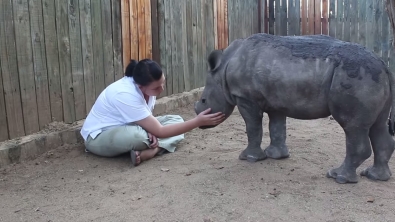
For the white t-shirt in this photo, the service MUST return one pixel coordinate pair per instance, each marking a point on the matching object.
(120, 103)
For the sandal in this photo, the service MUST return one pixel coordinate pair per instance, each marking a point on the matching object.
(133, 156)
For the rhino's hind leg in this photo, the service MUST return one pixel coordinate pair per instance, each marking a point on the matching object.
(277, 127)
(252, 116)
(383, 147)
(358, 149)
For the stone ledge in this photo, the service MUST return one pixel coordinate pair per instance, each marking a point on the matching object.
(31, 146)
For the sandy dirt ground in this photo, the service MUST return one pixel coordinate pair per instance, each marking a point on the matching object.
(202, 181)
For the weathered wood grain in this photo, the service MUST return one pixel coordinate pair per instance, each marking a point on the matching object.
(87, 53)
(39, 62)
(97, 42)
(52, 54)
(77, 68)
(108, 52)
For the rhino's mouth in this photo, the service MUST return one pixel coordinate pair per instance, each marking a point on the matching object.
(206, 127)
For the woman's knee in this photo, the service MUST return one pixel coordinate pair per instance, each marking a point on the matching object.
(171, 119)
(138, 139)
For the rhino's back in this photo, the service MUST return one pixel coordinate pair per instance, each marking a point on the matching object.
(350, 56)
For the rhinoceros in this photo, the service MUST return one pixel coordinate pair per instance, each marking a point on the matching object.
(305, 77)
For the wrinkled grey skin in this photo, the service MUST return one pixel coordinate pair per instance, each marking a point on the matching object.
(305, 77)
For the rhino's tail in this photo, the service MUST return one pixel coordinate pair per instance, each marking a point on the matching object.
(391, 119)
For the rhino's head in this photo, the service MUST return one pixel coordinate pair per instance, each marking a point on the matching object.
(215, 94)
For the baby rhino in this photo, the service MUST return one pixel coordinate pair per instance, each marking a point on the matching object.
(306, 77)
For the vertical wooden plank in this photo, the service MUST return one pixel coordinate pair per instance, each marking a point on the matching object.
(293, 19)
(9, 70)
(179, 41)
(256, 17)
(194, 80)
(108, 53)
(378, 13)
(262, 16)
(277, 17)
(385, 41)
(117, 38)
(325, 7)
(304, 18)
(134, 30)
(25, 66)
(346, 21)
(220, 27)
(311, 17)
(77, 69)
(210, 39)
(3, 112)
(148, 27)
(271, 17)
(266, 16)
(283, 17)
(65, 61)
(39, 62)
(204, 43)
(87, 53)
(317, 17)
(362, 22)
(188, 46)
(169, 52)
(259, 7)
(155, 31)
(354, 21)
(215, 10)
(297, 17)
(226, 26)
(369, 24)
(142, 31)
(126, 34)
(340, 20)
(184, 84)
(162, 41)
(332, 18)
(199, 43)
(52, 53)
(175, 49)
(97, 42)
(202, 72)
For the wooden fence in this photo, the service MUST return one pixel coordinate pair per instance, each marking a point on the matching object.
(56, 56)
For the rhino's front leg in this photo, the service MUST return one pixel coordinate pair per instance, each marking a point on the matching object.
(277, 127)
(252, 116)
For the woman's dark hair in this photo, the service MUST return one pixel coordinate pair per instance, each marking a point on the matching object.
(143, 72)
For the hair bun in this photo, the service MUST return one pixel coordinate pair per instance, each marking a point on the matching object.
(130, 68)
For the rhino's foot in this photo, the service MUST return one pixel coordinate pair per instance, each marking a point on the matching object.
(342, 176)
(252, 155)
(276, 152)
(377, 173)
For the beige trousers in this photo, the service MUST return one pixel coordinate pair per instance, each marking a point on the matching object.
(123, 139)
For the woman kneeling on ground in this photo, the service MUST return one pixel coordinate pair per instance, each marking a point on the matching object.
(121, 119)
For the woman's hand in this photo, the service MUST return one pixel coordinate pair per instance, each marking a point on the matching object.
(153, 140)
(206, 119)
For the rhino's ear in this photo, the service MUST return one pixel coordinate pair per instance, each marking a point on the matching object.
(214, 59)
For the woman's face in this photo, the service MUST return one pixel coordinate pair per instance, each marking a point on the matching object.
(155, 88)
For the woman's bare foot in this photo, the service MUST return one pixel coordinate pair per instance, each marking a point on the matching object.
(145, 155)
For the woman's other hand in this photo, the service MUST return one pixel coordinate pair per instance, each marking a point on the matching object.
(153, 140)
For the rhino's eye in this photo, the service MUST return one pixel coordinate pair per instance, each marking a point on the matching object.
(203, 100)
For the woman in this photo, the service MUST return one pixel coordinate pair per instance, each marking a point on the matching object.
(121, 119)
